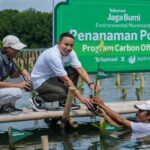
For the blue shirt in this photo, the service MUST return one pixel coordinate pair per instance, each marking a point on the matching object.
(7, 67)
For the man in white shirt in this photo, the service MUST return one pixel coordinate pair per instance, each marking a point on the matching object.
(142, 123)
(57, 69)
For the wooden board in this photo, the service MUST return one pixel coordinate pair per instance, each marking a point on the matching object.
(120, 107)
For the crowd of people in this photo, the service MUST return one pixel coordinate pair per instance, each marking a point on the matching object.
(55, 70)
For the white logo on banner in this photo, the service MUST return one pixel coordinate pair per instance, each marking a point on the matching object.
(132, 59)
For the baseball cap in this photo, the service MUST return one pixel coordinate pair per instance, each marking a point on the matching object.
(13, 42)
(144, 106)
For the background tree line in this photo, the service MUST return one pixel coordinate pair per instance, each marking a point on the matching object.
(33, 27)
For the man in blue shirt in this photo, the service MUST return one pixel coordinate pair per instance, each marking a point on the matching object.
(11, 90)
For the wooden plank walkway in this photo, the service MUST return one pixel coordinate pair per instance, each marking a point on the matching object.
(120, 107)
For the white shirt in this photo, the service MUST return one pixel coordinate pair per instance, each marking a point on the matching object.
(51, 64)
(140, 127)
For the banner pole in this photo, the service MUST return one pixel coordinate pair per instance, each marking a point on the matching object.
(53, 27)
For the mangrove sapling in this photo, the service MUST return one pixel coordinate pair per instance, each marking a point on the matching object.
(124, 93)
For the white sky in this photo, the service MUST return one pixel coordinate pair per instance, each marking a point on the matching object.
(40, 5)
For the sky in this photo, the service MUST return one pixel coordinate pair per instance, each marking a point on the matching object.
(40, 5)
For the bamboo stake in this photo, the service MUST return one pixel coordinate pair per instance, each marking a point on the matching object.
(118, 80)
(133, 79)
(44, 140)
(99, 88)
(9, 135)
(68, 106)
(142, 80)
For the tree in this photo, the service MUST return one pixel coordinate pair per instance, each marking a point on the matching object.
(33, 27)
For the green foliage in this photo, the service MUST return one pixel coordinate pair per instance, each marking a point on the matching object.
(139, 91)
(105, 128)
(124, 93)
(1, 44)
(102, 127)
(33, 27)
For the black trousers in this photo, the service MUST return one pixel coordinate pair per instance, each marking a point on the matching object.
(54, 89)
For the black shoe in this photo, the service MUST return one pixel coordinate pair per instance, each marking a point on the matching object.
(73, 106)
(37, 106)
(8, 108)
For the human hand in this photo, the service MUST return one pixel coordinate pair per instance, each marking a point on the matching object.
(92, 86)
(26, 75)
(99, 112)
(87, 101)
(29, 89)
(24, 85)
(98, 101)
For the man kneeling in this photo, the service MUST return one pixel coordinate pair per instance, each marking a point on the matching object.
(57, 69)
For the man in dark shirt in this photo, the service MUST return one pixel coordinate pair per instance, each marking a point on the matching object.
(11, 90)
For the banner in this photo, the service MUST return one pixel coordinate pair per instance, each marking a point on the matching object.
(114, 33)
(16, 135)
